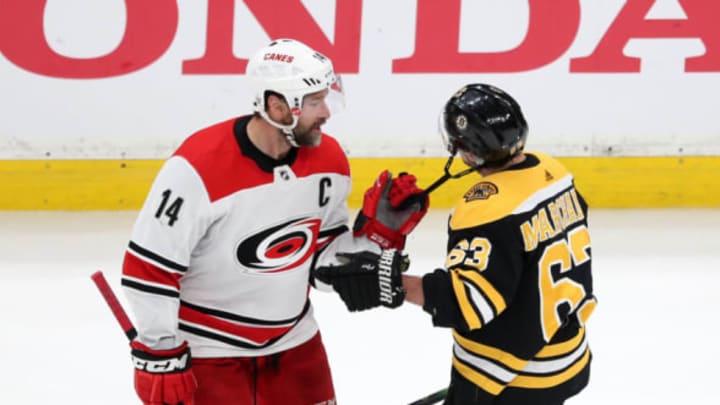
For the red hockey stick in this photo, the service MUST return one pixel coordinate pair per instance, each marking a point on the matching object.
(99, 279)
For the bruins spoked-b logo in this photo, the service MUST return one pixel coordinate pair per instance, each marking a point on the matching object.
(279, 248)
(481, 191)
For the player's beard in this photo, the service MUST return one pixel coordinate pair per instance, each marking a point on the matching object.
(309, 135)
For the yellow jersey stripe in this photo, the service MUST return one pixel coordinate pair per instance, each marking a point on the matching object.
(563, 348)
(477, 378)
(497, 300)
(493, 353)
(468, 312)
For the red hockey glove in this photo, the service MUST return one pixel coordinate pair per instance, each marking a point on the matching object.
(381, 219)
(163, 377)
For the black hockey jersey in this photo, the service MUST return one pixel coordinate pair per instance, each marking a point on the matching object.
(517, 285)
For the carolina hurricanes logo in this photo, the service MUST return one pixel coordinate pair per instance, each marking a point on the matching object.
(280, 248)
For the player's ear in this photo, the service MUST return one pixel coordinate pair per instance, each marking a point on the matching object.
(276, 106)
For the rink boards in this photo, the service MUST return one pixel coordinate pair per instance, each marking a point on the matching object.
(606, 182)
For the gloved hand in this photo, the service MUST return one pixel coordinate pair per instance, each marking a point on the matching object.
(386, 218)
(366, 280)
(163, 377)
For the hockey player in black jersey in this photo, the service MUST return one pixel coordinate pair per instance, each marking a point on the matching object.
(517, 286)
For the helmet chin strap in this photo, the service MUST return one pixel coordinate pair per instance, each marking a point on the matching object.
(290, 136)
(447, 176)
(439, 182)
(287, 130)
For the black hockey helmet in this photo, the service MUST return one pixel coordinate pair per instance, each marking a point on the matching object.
(485, 121)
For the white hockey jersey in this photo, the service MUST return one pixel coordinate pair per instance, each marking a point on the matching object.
(221, 252)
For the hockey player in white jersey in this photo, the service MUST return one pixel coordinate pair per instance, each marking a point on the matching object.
(218, 268)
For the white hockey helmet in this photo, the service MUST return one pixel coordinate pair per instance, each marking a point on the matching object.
(292, 69)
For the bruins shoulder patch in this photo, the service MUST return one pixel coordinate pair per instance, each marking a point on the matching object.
(481, 191)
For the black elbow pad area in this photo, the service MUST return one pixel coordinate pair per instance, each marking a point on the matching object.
(440, 301)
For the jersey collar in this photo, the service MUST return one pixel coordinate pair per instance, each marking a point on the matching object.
(248, 149)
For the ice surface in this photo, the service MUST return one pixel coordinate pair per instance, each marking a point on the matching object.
(654, 334)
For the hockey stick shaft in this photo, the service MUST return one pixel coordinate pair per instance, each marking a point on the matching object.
(433, 398)
(420, 197)
(99, 279)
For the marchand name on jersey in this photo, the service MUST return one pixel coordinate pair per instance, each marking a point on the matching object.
(551, 219)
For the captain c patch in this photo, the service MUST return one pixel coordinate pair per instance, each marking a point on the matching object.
(481, 191)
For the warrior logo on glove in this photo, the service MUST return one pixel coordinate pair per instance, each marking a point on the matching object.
(385, 273)
(367, 280)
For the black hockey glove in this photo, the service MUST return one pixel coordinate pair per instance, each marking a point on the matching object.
(366, 280)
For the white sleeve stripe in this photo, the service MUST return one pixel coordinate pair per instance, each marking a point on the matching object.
(484, 308)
